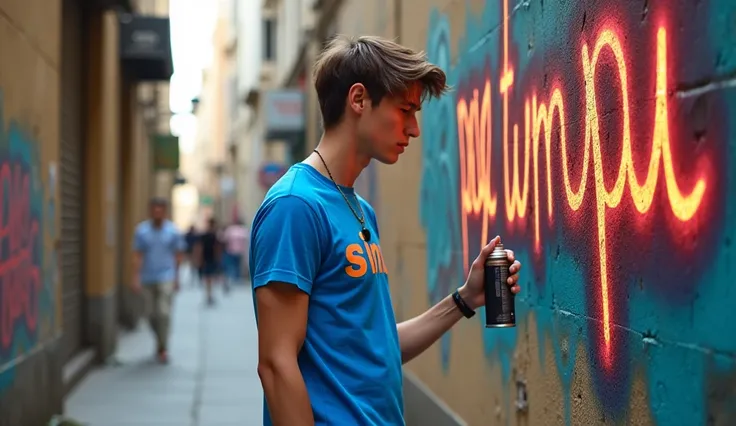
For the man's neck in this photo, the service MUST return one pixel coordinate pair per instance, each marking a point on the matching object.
(340, 152)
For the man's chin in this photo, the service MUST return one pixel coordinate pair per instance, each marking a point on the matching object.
(388, 159)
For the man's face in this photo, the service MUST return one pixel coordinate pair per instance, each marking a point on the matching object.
(158, 212)
(384, 130)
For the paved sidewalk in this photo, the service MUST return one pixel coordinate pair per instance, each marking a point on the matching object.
(210, 381)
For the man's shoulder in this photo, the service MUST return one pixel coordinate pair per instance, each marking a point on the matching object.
(289, 204)
(143, 226)
(295, 190)
(297, 182)
(170, 226)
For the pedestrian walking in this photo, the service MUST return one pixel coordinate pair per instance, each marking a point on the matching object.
(159, 248)
(208, 252)
(235, 240)
(330, 350)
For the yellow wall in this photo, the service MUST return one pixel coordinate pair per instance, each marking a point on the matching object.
(29, 141)
(136, 175)
(103, 150)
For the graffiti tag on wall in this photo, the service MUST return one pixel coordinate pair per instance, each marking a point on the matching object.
(587, 149)
(25, 298)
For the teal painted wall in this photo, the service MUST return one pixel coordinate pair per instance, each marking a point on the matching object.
(642, 278)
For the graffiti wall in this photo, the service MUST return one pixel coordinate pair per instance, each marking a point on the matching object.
(599, 140)
(28, 290)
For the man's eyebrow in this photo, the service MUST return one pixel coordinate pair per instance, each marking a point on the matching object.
(416, 107)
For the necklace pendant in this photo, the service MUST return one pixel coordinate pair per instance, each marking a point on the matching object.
(366, 234)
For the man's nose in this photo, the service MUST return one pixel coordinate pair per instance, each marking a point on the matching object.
(413, 130)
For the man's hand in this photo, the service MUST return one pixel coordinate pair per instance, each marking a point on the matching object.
(472, 291)
(418, 333)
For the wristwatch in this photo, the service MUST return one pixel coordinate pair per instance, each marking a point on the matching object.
(464, 308)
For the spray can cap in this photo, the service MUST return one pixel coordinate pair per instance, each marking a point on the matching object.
(498, 252)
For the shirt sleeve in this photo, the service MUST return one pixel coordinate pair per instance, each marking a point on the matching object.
(286, 244)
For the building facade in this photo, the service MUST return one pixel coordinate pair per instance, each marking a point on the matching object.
(210, 166)
(77, 168)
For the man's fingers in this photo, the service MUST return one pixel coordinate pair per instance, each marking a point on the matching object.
(485, 251)
(515, 267)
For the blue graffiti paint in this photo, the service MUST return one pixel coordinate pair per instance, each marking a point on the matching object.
(681, 346)
(439, 185)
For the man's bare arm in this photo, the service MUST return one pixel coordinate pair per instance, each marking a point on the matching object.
(137, 262)
(282, 326)
(419, 333)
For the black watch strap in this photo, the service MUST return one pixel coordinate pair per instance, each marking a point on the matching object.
(464, 308)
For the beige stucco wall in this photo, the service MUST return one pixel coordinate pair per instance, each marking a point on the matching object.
(30, 287)
(29, 124)
(103, 151)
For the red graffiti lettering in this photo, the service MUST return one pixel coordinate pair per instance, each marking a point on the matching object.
(20, 278)
(478, 188)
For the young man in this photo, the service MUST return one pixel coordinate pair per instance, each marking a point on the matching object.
(159, 248)
(330, 351)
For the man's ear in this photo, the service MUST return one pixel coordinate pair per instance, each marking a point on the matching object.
(357, 98)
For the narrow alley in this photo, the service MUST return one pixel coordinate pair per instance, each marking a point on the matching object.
(211, 379)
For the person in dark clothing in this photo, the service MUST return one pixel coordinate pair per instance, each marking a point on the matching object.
(208, 252)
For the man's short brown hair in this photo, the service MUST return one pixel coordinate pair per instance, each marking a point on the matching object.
(381, 65)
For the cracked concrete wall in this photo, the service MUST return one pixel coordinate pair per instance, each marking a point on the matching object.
(30, 323)
(598, 140)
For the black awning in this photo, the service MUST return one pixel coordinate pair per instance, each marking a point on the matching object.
(108, 4)
(145, 47)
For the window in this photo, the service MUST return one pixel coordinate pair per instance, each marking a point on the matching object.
(269, 39)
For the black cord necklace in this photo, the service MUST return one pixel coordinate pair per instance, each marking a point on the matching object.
(364, 232)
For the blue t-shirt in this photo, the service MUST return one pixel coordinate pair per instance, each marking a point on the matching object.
(158, 247)
(305, 234)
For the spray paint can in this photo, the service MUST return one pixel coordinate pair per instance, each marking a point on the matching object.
(500, 310)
